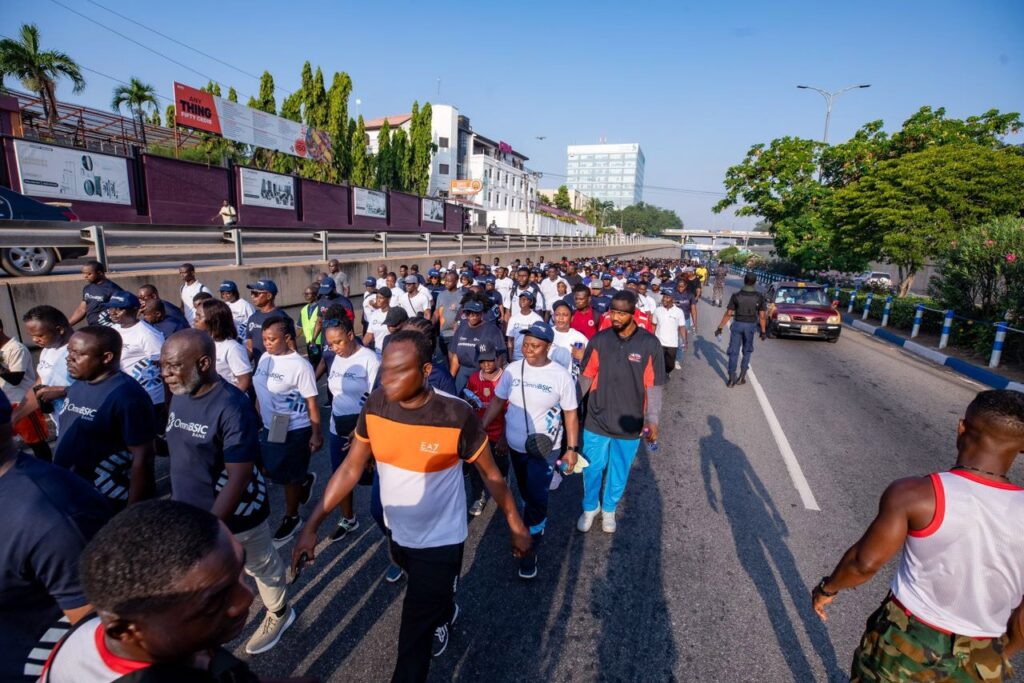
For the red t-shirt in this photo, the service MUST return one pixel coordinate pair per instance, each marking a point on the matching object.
(483, 389)
(583, 322)
(642, 320)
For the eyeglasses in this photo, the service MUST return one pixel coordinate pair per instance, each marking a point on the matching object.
(257, 292)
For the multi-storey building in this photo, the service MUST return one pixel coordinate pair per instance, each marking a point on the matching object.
(609, 172)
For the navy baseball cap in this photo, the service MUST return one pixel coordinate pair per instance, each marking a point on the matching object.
(473, 307)
(370, 282)
(528, 293)
(489, 279)
(606, 276)
(395, 317)
(228, 286)
(263, 286)
(122, 300)
(633, 280)
(434, 272)
(541, 331)
(327, 286)
(486, 352)
(384, 292)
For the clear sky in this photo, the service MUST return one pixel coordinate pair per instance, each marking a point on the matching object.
(694, 83)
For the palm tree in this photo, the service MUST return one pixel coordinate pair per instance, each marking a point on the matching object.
(38, 70)
(136, 95)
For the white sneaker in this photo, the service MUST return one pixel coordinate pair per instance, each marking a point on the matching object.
(556, 480)
(586, 520)
(608, 522)
(269, 632)
(678, 366)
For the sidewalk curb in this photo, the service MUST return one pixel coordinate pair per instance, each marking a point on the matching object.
(957, 365)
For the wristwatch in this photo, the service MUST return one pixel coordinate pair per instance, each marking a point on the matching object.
(821, 588)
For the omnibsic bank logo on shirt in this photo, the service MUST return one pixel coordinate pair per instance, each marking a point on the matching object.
(196, 429)
(262, 372)
(85, 412)
(634, 357)
(546, 388)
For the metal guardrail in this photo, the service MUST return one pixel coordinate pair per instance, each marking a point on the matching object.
(101, 236)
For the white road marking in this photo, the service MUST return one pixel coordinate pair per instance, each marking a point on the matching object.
(795, 472)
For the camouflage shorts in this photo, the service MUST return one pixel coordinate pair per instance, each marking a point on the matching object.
(898, 647)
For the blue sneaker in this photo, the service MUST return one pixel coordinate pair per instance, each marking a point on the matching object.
(528, 566)
(394, 574)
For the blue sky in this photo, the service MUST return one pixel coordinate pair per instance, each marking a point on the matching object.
(694, 84)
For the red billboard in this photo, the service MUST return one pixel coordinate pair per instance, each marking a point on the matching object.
(195, 109)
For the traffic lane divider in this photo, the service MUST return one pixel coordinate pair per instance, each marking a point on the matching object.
(978, 374)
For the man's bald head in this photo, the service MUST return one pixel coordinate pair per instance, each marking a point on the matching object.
(188, 361)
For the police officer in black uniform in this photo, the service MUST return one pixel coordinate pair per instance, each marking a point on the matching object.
(750, 312)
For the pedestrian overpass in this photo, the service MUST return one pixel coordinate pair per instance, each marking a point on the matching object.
(739, 237)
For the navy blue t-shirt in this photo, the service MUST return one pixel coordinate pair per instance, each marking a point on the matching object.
(94, 296)
(49, 516)
(98, 423)
(600, 304)
(203, 434)
(169, 325)
(326, 302)
(466, 342)
(254, 330)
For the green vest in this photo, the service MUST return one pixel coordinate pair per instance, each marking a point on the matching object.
(308, 321)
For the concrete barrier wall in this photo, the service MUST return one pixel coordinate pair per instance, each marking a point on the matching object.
(65, 291)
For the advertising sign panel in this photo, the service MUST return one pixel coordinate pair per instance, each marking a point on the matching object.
(236, 122)
(48, 171)
(370, 203)
(464, 187)
(269, 190)
(433, 210)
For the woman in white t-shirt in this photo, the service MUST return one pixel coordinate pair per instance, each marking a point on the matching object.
(233, 364)
(286, 396)
(568, 345)
(350, 380)
(519, 321)
(537, 393)
(50, 330)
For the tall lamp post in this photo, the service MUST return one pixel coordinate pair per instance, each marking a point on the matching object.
(829, 98)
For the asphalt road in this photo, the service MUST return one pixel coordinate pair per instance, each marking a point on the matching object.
(709, 573)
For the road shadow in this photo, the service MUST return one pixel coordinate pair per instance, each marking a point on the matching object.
(637, 642)
(759, 534)
(713, 354)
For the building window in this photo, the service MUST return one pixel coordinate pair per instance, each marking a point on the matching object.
(442, 168)
(488, 196)
(442, 143)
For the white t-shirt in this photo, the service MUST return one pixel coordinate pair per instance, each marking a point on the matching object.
(382, 282)
(415, 304)
(549, 390)
(187, 292)
(618, 283)
(232, 360)
(375, 323)
(668, 321)
(283, 383)
(504, 287)
(646, 303)
(351, 380)
(240, 312)
(16, 358)
(561, 349)
(368, 302)
(550, 291)
(140, 357)
(53, 372)
(516, 322)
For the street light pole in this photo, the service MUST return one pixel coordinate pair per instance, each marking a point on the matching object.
(829, 98)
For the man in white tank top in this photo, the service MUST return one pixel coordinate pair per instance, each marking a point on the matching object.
(953, 612)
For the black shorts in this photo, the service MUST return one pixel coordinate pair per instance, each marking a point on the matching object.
(288, 462)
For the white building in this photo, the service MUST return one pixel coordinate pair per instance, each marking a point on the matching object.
(608, 172)
(507, 194)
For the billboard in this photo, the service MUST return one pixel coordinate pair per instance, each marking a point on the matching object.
(269, 190)
(71, 174)
(370, 203)
(464, 187)
(236, 122)
(433, 210)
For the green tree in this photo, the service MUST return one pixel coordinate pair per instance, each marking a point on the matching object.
(232, 95)
(169, 115)
(401, 155)
(291, 109)
(562, 200)
(423, 148)
(361, 163)
(385, 160)
(338, 125)
(597, 211)
(154, 119)
(909, 208)
(266, 102)
(645, 219)
(315, 114)
(38, 70)
(137, 97)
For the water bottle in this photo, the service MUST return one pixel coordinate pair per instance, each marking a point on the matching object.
(652, 446)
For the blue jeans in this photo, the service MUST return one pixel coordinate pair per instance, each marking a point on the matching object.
(742, 334)
(533, 476)
(606, 454)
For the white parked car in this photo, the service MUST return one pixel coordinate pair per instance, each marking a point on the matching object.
(875, 278)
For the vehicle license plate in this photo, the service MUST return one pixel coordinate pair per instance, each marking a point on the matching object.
(808, 329)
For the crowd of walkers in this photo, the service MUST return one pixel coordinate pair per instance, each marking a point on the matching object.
(441, 392)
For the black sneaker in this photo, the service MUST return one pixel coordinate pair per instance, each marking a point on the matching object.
(286, 532)
(345, 526)
(443, 633)
(307, 488)
(528, 566)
